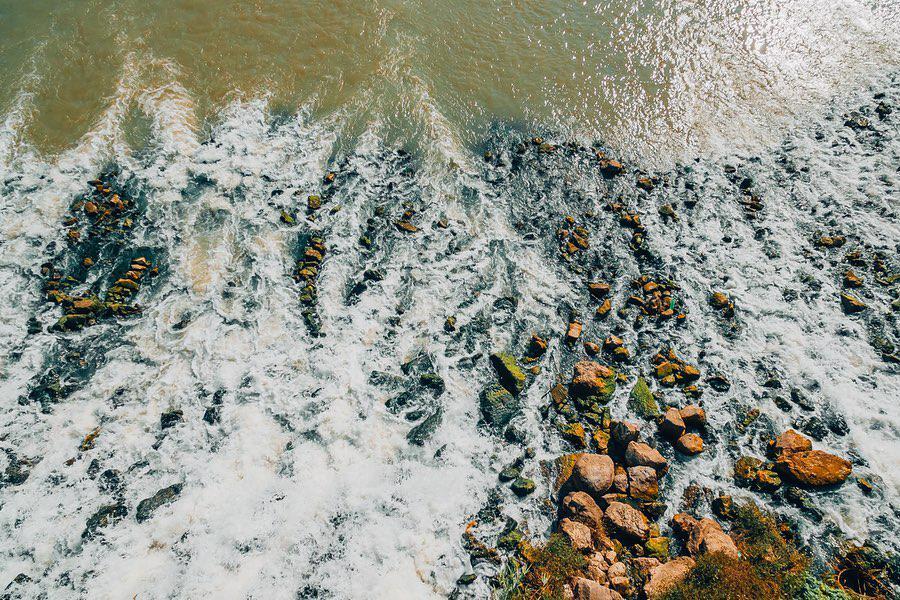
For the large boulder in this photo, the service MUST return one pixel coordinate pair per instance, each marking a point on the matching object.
(586, 589)
(578, 534)
(580, 507)
(627, 522)
(814, 468)
(639, 454)
(787, 443)
(593, 473)
(707, 537)
(642, 483)
(667, 575)
(593, 382)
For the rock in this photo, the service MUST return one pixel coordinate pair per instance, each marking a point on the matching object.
(508, 371)
(604, 309)
(658, 547)
(498, 406)
(105, 516)
(578, 534)
(814, 468)
(598, 290)
(601, 441)
(745, 470)
(690, 444)
(573, 332)
(693, 416)
(574, 434)
(537, 346)
(522, 486)
(623, 432)
(642, 483)
(851, 304)
(586, 589)
(580, 507)
(593, 473)
(591, 349)
(851, 279)
(639, 454)
(591, 380)
(708, 538)
(171, 418)
(641, 400)
(684, 524)
(767, 481)
(620, 481)
(787, 443)
(672, 425)
(419, 434)
(147, 506)
(617, 569)
(667, 575)
(627, 522)
(450, 324)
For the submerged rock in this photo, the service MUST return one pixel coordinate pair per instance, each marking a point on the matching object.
(104, 517)
(498, 406)
(147, 506)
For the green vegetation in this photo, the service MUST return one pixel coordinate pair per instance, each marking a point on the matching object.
(540, 572)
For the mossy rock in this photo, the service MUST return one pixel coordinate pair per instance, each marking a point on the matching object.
(498, 406)
(641, 400)
(658, 547)
(523, 486)
(508, 371)
(574, 434)
(565, 464)
(745, 470)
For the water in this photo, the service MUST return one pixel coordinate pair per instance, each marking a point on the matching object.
(219, 116)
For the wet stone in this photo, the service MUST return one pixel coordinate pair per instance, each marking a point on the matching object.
(146, 507)
(104, 517)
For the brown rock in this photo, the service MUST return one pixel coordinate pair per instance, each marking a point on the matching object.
(851, 304)
(642, 483)
(787, 443)
(627, 522)
(590, 379)
(708, 538)
(623, 432)
(578, 534)
(689, 443)
(683, 523)
(591, 349)
(585, 589)
(598, 290)
(693, 416)
(852, 280)
(604, 308)
(639, 454)
(645, 564)
(668, 575)
(814, 468)
(593, 473)
(620, 481)
(573, 332)
(580, 507)
(672, 425)
(536, 346)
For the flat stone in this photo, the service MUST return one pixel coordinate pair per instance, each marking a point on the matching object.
(578, 534)
(639, 454)
(642, 483)
(814, 468)
(586, 589)
(627, 522)
(580, 507)
(690, 444)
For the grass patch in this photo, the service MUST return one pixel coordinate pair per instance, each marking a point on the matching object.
(540, 572)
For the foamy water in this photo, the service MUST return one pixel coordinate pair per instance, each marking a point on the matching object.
(308, 486)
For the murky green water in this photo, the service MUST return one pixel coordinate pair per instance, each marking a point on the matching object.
(647, 76)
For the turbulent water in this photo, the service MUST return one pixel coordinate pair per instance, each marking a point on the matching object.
(337, 451)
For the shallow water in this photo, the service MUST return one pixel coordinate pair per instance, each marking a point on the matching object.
(220, 116)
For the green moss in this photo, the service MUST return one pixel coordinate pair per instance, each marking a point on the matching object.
(658, 547)
(543, 571)
(508, 371)
(498, 406)
(641, 400)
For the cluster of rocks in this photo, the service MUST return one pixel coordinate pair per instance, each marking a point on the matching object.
(96, 221)
(671, 370)
(306, 273)
(655, 299)
(608, 502)
(573, 238)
